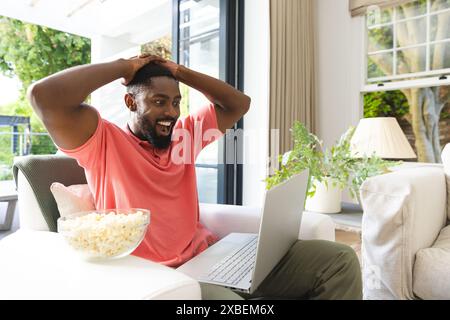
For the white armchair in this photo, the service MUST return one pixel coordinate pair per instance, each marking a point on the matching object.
(405, 233)
(36, 264)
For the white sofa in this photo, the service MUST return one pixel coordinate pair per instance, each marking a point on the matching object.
(406, 233)
(37, 264)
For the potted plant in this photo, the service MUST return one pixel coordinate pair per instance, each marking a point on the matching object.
(331, 170)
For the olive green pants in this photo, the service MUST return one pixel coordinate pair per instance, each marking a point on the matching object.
(314, 269)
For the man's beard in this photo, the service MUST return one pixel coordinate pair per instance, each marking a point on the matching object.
(159, 142)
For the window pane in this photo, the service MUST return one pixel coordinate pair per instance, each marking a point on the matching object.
(199, 17)
(380, 39)
(440, 56)
(375, 17)
(379, 65)
(437, 5)
(413, 9)
(385, 104)
(440, 26)
(411, 32)
(202, 54)
(411, 60)
(207, 181)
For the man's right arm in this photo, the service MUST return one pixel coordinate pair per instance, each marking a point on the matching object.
(58, 99)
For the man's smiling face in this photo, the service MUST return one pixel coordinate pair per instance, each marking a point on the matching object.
(155, 108)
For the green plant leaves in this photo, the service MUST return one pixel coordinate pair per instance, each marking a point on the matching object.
(336, 163)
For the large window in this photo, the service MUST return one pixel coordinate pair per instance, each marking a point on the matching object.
(408, 72)
(408, 41)
(206, 38)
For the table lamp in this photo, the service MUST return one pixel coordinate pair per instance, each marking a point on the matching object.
(382, 137)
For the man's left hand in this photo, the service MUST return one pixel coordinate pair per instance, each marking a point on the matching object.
(171, 66)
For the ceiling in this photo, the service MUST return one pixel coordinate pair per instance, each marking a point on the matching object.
(134, 21)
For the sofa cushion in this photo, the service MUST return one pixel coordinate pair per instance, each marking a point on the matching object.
(72, 199)
(30, 214)
(431, 269)
(446, 162)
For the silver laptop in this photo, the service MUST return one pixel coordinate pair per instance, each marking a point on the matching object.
(241, 261)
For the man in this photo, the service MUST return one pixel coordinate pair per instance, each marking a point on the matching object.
(139, 166)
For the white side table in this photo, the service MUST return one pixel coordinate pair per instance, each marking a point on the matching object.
(349, 219)
(8, 194)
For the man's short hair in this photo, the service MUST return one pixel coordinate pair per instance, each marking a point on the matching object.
(143, 77)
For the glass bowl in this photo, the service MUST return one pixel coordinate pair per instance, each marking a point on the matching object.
(104, 234)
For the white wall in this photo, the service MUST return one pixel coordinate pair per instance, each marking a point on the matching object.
(339, 63)
(256, 85)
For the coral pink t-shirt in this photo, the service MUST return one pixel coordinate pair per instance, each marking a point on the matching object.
(125, 172)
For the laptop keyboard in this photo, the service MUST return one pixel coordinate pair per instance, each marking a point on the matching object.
(236, 266)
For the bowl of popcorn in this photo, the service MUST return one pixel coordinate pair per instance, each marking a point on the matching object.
(104, 234)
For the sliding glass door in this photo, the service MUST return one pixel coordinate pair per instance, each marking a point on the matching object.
(206, 39)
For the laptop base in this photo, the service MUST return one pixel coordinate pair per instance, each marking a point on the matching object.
(195, 268)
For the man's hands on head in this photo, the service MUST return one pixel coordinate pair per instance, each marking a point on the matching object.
(58, 99)
(137, 62)
(230, 104)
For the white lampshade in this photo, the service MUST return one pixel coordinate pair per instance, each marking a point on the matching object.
(382, 137)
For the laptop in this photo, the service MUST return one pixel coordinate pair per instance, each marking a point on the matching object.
(241, 261)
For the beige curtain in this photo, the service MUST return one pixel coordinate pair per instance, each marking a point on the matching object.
(292, 76)
(359, 7)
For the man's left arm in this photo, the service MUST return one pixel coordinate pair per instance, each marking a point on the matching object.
(230, 104)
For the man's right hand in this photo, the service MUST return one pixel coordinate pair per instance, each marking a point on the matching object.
(135, 63)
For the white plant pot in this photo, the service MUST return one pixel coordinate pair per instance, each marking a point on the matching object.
(326, 199)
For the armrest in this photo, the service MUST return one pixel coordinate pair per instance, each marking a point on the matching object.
(404, 212)
(30, 213)
(225, 219)
(40, 265)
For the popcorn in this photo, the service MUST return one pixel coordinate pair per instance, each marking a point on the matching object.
(105, 235)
